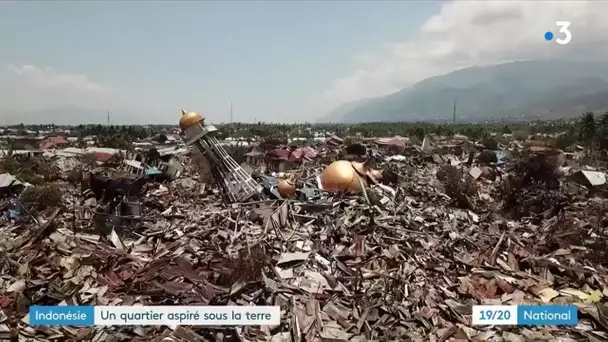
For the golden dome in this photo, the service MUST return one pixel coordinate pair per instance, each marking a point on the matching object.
(365, 170)
(341, 176)
(189, 119)
(360, 167)
(286, 188)
(375, 175)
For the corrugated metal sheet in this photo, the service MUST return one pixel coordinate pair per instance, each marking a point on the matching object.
(133, 163)
(172, 151)
(6, 180)
(152, 171)
(595, 178)
(501, 158)
(104, 150)
(15, 152)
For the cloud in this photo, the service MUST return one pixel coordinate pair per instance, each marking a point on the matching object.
(30, 87)
(472, 33)
(49, 78)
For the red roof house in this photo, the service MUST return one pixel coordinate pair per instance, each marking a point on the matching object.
(54, 142)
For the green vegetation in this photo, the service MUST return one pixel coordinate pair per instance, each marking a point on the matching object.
(590, 131)
(34, 171)
(37, 198)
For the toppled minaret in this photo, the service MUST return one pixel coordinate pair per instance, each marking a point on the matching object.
(236, 183)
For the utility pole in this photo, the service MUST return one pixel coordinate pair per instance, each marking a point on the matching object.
(108, 122)
(230, 111)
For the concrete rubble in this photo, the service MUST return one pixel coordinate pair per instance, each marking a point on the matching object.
(403, 260)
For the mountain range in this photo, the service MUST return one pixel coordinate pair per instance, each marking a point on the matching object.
(510, 91)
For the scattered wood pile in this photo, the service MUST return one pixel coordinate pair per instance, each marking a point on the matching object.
(341, 268)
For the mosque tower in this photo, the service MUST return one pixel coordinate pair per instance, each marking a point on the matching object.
(237, 185)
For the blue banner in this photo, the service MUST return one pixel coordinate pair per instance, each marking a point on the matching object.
(547, 315)
(62, 315)
(154, 315)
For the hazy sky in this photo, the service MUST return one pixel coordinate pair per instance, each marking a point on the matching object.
(280, 61)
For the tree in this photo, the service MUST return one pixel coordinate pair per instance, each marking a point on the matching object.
(419, 133)
(602, 133)
(586, 129)
(80, 143)
(563, 141)
(152, 155)
(490, 143)
(521, 135)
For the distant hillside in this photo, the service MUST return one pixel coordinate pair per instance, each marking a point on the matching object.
(338, 114)
(548, 89)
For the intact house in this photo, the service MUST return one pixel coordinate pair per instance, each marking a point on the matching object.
(277, 160)
(57, 142)
(254, 158)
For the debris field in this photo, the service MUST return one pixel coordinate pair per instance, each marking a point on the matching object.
(403, 264)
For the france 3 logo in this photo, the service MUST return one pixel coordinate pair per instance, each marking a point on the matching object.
(564, 30)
